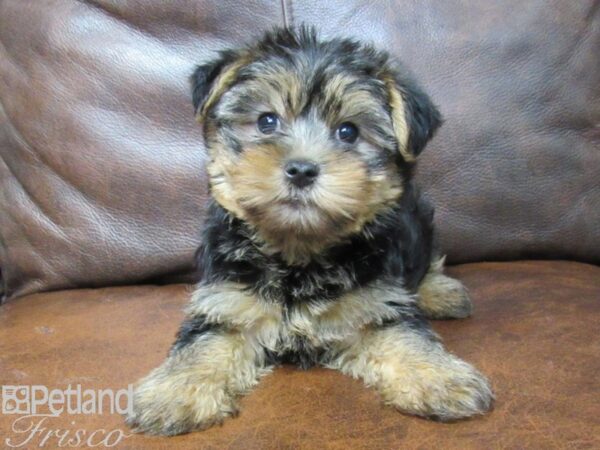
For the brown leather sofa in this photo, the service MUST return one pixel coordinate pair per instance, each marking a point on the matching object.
(102, 184)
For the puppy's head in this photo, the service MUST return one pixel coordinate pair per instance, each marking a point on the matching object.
(309, 140)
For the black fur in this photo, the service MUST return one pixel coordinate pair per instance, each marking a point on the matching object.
(205, 75)
(355, 57)
(303, 355)
(190, 329)
(423, 117)
(398, 245)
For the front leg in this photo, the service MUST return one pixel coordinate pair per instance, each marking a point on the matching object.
(411, 370)
(218, 356)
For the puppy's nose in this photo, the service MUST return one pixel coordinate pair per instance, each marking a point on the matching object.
(301, 173)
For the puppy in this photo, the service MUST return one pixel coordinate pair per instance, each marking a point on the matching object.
(317, 248)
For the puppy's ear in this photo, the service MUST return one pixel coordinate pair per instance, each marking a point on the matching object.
(415, 118)
(210, 80)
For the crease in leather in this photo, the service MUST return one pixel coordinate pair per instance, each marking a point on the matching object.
(584, 33)
(43, 216)
(5, 289)
(288, 13)
(284, 14)
(112, 14)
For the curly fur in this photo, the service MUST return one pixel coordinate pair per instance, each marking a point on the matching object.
(342, 273)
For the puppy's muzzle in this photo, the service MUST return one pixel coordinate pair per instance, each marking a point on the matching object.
(301, 173)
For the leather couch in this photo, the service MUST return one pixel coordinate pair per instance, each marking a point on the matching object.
(102, 193)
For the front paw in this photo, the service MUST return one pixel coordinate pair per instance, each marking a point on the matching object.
(171, 404)
(447, 392)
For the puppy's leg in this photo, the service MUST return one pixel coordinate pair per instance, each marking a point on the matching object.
(442, 297)
(211, 363)
(412, 371)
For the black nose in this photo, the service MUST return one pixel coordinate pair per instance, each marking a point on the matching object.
(301, 173)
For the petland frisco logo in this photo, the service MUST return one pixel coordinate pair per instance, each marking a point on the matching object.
(36, 406)
(38, 400)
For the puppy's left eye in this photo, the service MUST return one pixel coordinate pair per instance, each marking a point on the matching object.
(347, 132)
(267, 123)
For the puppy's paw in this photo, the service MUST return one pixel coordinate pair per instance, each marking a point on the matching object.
(451, 391)
(442, 297)
(171, 404)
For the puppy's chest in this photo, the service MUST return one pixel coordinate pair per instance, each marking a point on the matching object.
(306, 332)
(293, 286)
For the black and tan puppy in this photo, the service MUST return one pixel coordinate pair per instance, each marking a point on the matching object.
(317, 248)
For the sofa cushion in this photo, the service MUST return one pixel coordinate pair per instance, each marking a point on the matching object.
(534, 333)
(101, 163)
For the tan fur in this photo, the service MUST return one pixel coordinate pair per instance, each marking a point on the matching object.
(399, 118)
(230, 304)
(196, 387)
(341, 321)
(415, 374)
(442, 297)
(251, 185)
(221, 84)
(322, 323)
(220, 187)
(342, 201)
(290, 85)
(278, 89)
(375, 332)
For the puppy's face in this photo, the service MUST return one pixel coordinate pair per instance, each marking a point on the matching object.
(308, 139)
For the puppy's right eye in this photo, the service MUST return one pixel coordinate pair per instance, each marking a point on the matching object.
(267, 123)
(347, 132)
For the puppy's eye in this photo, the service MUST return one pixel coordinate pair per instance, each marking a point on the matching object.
(347, 132)
(267, 123)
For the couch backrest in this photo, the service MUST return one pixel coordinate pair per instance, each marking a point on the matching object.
(101, 162)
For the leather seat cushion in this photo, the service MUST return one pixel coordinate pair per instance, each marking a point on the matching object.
(534, 333)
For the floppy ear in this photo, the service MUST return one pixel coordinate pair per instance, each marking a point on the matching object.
(415, 118)
(210, 80)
